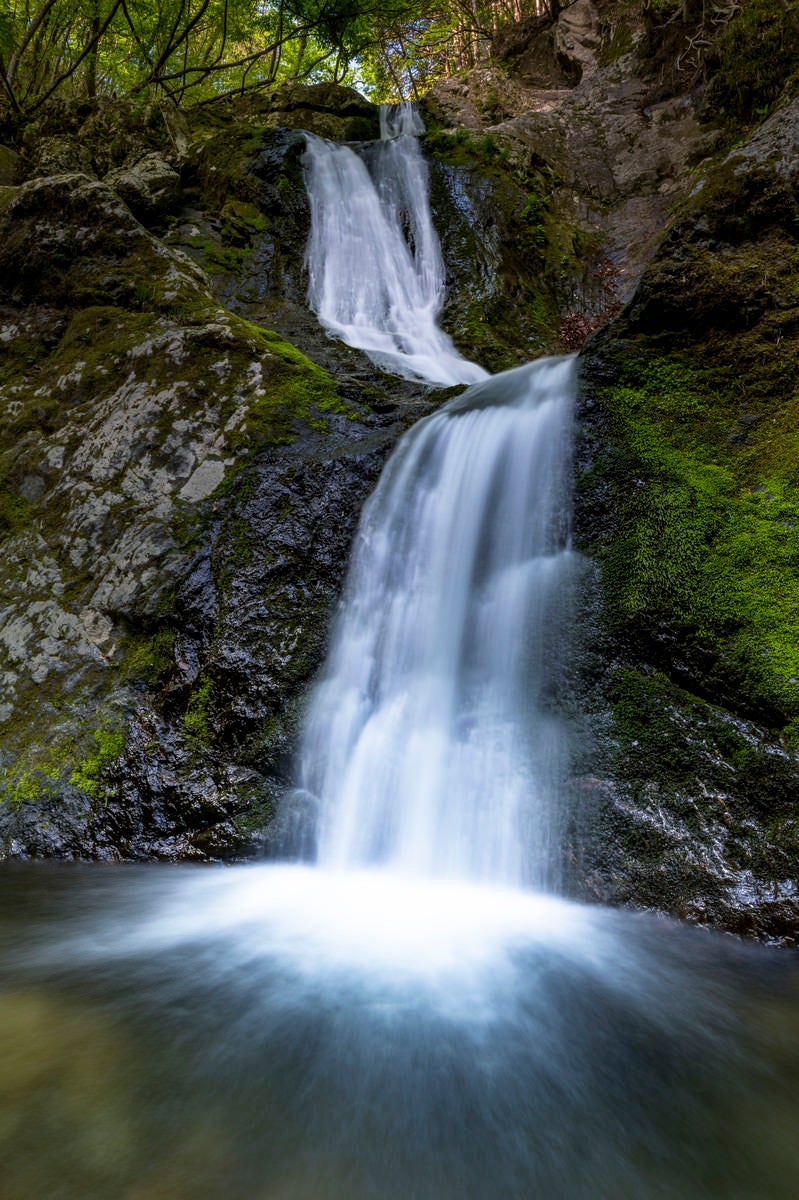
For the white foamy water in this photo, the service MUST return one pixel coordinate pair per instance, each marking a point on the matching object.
(379, 933)
(376, 275)
(431, 742)
(292, 1033)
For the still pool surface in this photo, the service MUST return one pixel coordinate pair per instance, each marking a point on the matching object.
(285, 1033)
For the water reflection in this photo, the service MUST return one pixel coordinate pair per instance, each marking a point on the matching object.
(285, 1034)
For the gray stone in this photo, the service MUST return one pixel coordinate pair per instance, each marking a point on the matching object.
(147, 185)
(577, 37)
(61, 155)
(203, 481)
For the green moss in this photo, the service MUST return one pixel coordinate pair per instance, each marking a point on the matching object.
(197, 719)
(757, 58)
(619, 41)
(295, 390)
(667, 735)
(643, 717)
(260, 809)
(149, 658)
(27, 786)
(7, 194)
(14, 509)
(90, 772)
(226, 249)
(241, 220)
(547, 261)
(791, 734)
(221, 162)
(240, 546)
(44, 771)
(491, 106)
(706, 538)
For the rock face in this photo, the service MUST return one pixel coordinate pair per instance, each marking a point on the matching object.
(617, 154)
(178, 485)
(687, 497)
(148, 185)
(685, 708)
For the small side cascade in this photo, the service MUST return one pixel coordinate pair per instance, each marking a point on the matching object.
(376, 275)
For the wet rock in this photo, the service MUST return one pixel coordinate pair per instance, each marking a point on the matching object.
(694, 816)
(178, 490)
(54, 828)
(686, 496)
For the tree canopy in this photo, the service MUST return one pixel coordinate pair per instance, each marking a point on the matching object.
(197, 50)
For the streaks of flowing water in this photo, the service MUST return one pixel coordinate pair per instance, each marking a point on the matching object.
(376, 275)
(431, 741)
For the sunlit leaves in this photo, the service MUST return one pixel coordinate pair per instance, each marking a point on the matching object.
(199, 49)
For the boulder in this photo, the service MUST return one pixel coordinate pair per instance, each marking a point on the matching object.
(327, 109)
(148, 186)
(62, 154)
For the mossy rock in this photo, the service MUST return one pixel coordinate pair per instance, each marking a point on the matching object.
(688, 499)
(515, 259)
(754, 62)
(696, 384)
(132, 404)
(327, 109)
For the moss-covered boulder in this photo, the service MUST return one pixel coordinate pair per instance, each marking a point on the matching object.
(688, 497)
(327, 109)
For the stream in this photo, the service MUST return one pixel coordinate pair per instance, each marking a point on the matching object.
(290, 1033)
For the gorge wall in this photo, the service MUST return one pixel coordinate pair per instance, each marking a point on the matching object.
(184, 455)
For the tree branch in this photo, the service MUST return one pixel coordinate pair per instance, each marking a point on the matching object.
(27, 38)
(87, 49)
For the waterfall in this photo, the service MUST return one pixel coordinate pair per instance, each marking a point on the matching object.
(430, 740)
(376, 276)
(431, 744)
(285, 1031)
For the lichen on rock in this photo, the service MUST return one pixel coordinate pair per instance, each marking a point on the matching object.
(131, 400)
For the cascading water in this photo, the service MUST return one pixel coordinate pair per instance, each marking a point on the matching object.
(376, 276)
(430, 741)
(430, 744)
(347, 1032)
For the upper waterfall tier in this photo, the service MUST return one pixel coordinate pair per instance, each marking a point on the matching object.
(376, 275)
(432, 743)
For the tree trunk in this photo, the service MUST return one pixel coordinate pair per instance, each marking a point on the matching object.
(91, 57)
